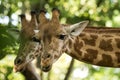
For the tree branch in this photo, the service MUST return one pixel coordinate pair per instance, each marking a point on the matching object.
(69, 69)
(30, 73)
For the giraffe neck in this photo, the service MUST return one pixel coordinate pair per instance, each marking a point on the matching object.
(97, 46)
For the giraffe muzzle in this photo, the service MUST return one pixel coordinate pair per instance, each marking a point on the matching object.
(16, 69)
(46, 68)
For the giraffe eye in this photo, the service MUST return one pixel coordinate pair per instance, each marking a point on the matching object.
(35, 39)
(61, 36)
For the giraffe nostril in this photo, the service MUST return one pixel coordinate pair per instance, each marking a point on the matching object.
(48, 55)
(46, 68)
(22, 69)
(18, 61)
(45, 56)
(35, 39)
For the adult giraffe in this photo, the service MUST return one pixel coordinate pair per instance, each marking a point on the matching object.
(97, 46)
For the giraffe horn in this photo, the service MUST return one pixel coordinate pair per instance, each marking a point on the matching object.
(33, 19)
(55, 15)
(42, 17)
(24, 21)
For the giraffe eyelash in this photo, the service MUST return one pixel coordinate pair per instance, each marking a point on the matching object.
(61, 36)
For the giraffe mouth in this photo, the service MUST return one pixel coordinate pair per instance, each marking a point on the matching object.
(18, 68)
(46, 68)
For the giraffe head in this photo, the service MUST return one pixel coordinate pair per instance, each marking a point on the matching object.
(54, 37)
(29, 45)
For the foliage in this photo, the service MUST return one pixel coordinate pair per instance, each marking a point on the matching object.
(8, 42)
(6, 69)
(99, 12)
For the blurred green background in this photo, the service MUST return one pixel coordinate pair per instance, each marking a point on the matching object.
(98, 12)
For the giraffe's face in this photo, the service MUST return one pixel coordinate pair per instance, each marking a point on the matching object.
(54, 38)
(29, 45)
(52, 41)
(28, 50)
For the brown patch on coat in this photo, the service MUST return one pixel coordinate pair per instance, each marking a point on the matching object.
(106, 45)
(70, 43)
(118, 56)
(91, 41)
(78, 45)
(107, 35)
(117, 42)
(106, 61)
(82, 35)
(94, 36)
(90, 55)
(76, 56)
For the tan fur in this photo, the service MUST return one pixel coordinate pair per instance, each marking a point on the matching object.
(98, 46)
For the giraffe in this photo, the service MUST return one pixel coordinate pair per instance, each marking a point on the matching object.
(97, 46)
(29, 45)
(53, 37)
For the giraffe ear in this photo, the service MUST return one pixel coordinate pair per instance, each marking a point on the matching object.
(77, 28)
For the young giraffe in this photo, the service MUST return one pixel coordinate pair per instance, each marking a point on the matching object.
(97, 46)
(29, 45)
